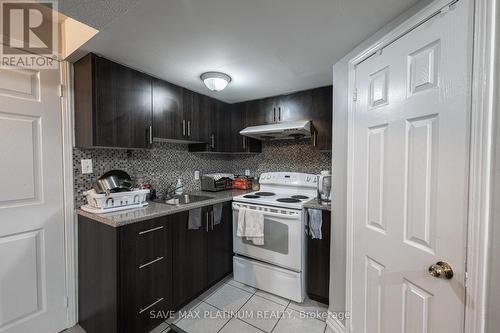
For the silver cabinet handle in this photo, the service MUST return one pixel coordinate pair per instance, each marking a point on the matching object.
(206, 223)
(212, 141)
(189, 127)
(183, 127)
(279, 114)
(151, 262)
(212, 219)
(244, 143)
(150, 306)
(150, 134)
(150, 230)
(274, 114)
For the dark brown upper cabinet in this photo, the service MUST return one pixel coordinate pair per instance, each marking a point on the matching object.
(118, 107)
(169, 121)
(113, 106)
(191, 111)
(225, 123)
(179, 113)
(314, 105)
(321, 116)
(297, 106)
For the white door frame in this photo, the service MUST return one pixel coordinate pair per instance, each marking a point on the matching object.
(69, 206)
(482, 102)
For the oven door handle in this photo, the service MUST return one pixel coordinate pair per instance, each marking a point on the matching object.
(271, 214)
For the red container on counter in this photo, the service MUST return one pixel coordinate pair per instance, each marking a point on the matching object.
(242, 183)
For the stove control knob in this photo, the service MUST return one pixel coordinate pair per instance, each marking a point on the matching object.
(308, 179)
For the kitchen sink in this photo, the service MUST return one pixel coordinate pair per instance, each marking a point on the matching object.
(184, 199)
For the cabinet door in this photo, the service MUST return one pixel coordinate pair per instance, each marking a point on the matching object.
(167, 110)
(123, 115)
(297, 106)
(322, 117)
(191, 111)
(145, 275)
(215, 130)
(223, 133)
(206, 119)
(220, 246)
(236, 118)
(189, 257)
(268, 110)
(260, 112)
(318, 263)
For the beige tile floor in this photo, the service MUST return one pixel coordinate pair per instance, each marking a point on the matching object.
(230, 306)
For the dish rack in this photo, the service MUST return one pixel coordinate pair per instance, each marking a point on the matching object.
(102, 203)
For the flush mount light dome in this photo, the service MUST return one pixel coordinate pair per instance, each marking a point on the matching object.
(215, 81)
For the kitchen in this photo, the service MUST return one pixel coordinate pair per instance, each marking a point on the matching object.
(191, 209)
(231, 166)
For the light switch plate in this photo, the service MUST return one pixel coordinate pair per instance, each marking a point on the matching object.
(87, 166)
(247, 172)
(196, 175)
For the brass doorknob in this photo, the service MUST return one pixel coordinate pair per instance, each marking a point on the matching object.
(441, 270)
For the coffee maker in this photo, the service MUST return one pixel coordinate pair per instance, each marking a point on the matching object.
(325, 187)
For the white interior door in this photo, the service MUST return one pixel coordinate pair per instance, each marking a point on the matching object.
(410, 149)
(32, 261)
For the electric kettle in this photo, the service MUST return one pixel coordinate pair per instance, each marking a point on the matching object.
(325, 187)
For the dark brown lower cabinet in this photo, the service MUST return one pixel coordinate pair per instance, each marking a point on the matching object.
(189, 258)
(220, 246)
(318, 263)
(201, 257)
(124, 276)
(130, 277)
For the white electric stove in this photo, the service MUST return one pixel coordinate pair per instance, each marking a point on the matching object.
(278, 266)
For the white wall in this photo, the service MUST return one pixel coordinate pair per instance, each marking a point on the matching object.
(340, 103)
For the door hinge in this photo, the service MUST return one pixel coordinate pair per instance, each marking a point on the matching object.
(66, 300)
(355, 95)
(61, 90)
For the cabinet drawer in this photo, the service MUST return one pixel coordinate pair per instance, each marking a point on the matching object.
(145, 243)
(146, 297)
(143, 317)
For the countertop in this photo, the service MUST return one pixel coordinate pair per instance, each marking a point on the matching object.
(314, 204)
(153, 210)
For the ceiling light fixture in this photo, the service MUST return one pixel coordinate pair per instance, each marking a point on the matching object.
(215, 81)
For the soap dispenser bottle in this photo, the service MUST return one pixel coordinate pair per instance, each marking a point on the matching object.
(179, 188)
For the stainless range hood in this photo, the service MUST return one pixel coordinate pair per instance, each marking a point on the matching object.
(280, 131)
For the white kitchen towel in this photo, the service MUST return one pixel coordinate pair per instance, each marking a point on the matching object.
(241, 223)
(217, 213)
(315, 223)
(194, 222)
(251, 225)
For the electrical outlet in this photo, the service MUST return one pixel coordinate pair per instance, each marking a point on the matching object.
(196, 175)
(87, 166)
(247, 172)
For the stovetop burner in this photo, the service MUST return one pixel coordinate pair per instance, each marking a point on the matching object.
(288, 200)
(265, 194)
(251, 196)
(300, 197)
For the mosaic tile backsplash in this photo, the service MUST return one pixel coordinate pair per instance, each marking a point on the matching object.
(166, 162)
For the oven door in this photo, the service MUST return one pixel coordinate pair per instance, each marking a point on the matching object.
(283, 236)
